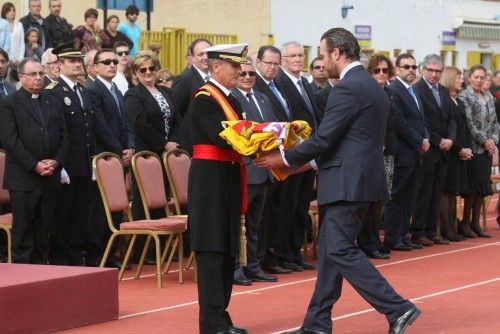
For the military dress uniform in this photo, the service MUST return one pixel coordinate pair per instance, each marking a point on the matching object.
(214, 205)
(84, 125)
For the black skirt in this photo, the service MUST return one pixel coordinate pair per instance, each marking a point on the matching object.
(479, 172)
(457, 179)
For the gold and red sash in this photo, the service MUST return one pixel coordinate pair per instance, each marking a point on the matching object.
(215, 153)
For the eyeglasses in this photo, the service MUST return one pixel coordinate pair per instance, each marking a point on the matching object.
(384, 70)
(300, 55)
(145, 69)
(108, 62)
(164, 79)
(251, 74)
(318, 67)
(270, 63)
(33, 74)
(123, 53)
(407, 67)
(433, 70)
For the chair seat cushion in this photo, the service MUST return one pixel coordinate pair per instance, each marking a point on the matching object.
(170, 224)
(6, 219)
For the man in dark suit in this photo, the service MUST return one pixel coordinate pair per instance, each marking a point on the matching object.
(442, 128)
(58, 28)
(348, 145)
(215, 191)
(186, 84)
(297, 189)
(267, 64)
(412, 135)
(85, 125)
(51, 68)
(108, 101)
(318, 74)
(6, 88)
(256, 107)
(33, 133)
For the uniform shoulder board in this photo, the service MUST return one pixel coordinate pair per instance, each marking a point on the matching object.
(51, 85)
(203, 92)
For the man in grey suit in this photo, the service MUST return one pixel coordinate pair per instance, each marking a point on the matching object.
(5, 87)
(256, 107)
(348, 147)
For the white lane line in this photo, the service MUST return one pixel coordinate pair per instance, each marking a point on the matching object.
(252, 291)
(439, 293)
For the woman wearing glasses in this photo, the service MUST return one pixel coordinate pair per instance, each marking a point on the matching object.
(165, 78)
(484, 128)
(381, 69)
(151, 113)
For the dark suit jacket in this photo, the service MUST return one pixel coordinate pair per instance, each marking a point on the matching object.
(255, 175)
(349, 142)
(58, 31)
(298, 107)
(440, 120)
(183, 88)
(85, 126)
(409, 124)
(116, 121)
(146, 119)
(321, 97)
(10, 88)
(279, 111)
(28, 139)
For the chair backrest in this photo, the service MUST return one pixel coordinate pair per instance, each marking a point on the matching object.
(4, 194)
(108, 170)
(149, 177)
(177, 163)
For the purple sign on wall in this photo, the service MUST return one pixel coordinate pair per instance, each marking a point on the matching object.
(449, 38)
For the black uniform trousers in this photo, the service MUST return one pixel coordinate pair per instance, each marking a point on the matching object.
(296, 194)
(256, 199)
(68, 233)
(429, 194)
(340, 258)
(398, 209)
(368, 239)
(32, 212)
(215, 284)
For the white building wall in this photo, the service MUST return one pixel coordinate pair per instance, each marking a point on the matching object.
(395, 24)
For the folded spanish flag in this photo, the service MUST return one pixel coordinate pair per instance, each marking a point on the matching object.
(252, 138)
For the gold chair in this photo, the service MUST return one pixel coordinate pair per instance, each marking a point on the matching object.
(177, 163)
(110, 177)
(148, 174)
(6, 219)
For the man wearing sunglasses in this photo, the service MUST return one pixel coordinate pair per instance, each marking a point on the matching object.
(85, 125)
(413, 141)
(107, 100)
(130, 28)
(436, 105)
(256, 107)
(319, 75)
(122, 51)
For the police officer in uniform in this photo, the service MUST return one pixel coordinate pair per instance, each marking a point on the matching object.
(85, 126)
(214, 189)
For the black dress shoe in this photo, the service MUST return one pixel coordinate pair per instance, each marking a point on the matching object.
(260, 276)
(241, 280)
(377, 255)
(400, 324)
(401, 247)
(303, 330)
(275, 269)
(306, 265)
(290, 265)
(237, 330)
(412, 244)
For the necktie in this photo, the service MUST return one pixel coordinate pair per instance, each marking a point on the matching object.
(435, 92)
(412, 92)
(305, 97)
(207, 77)
(77, 91)
(115, 96)
(253, 106)
(275, 91)
(2, 90)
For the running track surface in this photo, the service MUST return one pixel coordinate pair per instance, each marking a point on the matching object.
(456, 286)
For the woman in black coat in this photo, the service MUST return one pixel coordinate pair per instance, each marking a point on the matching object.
(456, 178)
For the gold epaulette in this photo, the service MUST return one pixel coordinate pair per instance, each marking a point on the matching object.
(204, 92)
(52, 85)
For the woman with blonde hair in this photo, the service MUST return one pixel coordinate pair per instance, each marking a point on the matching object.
(456, 182)
(165, 78)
